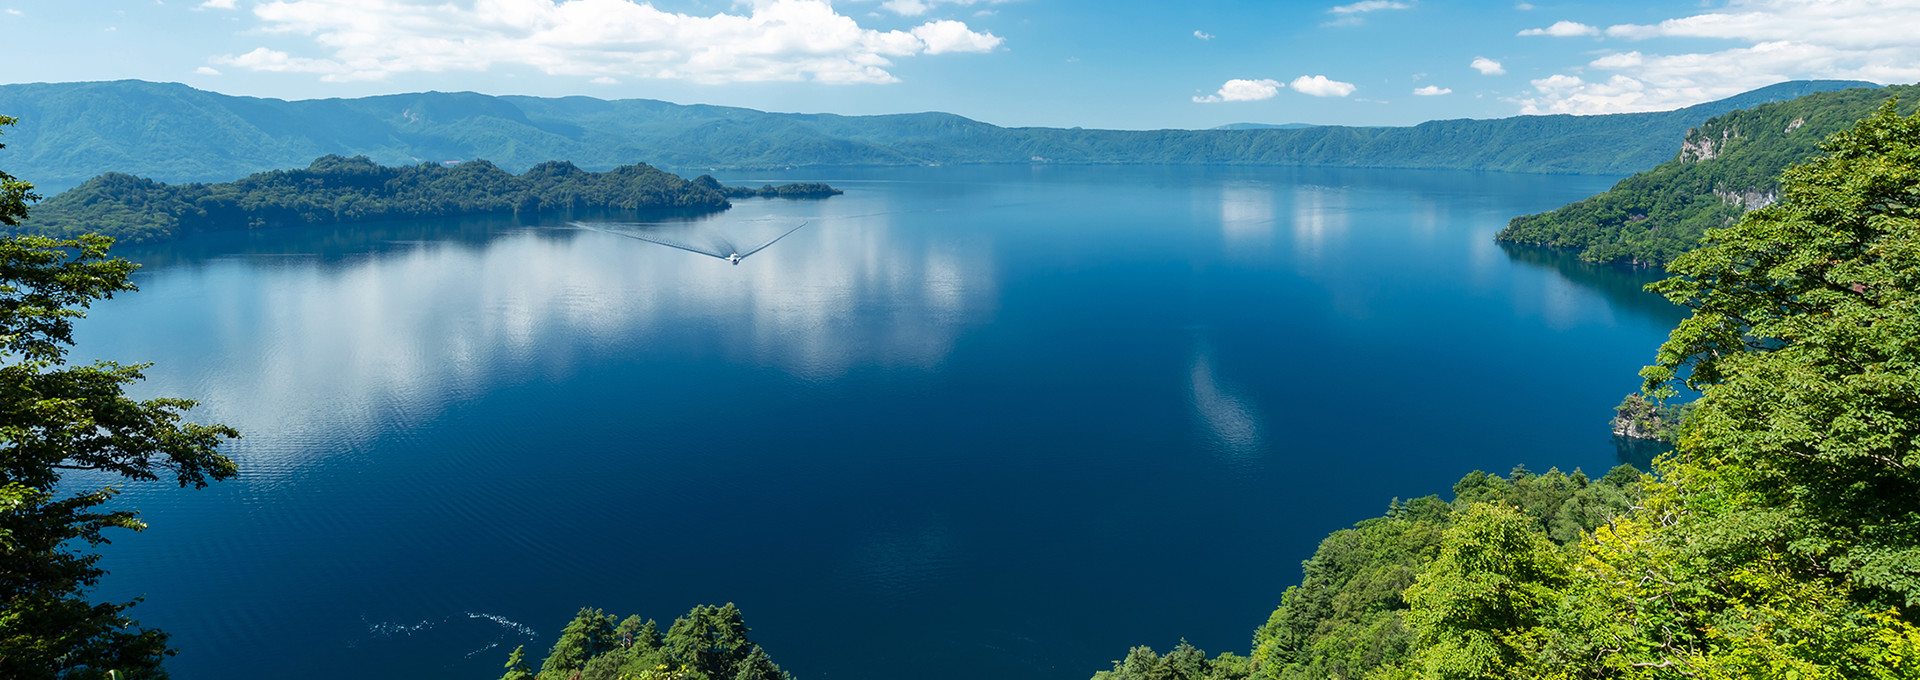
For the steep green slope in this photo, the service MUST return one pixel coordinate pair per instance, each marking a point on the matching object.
(1776, 540)
(1725, 167)
(1346, 618)
(335, 190)
(71, 132)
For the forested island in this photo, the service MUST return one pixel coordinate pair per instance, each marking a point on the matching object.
(334, 190)
(1726, 167)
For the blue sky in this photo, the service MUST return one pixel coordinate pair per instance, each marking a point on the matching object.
(1113, 63)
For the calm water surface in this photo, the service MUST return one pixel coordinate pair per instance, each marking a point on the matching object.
(969, 423)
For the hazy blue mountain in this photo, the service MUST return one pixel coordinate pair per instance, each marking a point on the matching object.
(70, 132)
(1264, 126)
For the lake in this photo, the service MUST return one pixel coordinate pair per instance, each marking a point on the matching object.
(974, 422)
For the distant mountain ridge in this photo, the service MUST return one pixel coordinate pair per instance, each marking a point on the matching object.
(70, 132)
(1263, 126)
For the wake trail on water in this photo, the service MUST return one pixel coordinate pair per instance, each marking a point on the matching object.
(725, 251)
(504, 629)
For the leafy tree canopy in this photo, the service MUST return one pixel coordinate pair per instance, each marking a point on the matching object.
(1805, 343)
(56, 418)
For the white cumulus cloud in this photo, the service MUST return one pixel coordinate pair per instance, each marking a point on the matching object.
(1487, 66)
(1203, 35)
(1564, 29)
(776, 40)
(1560, 93)
(1238, 90)
(217, 4)
(1432, 91)
(207, 71)
(1321, 86)
(1776, 40)
(952, 36)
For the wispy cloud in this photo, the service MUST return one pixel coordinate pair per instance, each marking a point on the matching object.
(914, 8)
(1203, 35)
(1321, 86)
(1432, 91)
(777, 40)
(207, 71)
(1368, 6)
(1487, 66)
(1564, 29)
(1354, 14)
(216, 4)
(1238, 90)
(1869, 40)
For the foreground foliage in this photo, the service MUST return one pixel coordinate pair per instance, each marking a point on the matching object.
(709, 643)
(336, 190)
(1727, 166)
(55, 419)
(1780, 540)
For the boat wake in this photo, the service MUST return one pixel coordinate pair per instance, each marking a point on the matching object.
(718, 246)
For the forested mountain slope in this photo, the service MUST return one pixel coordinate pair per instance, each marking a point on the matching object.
(1777, 540)
(71, 132)
(1727, 166)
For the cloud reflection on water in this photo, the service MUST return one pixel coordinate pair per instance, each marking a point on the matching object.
(1233, 424)
(302, 349)
(1246, 213)
(1318, 213)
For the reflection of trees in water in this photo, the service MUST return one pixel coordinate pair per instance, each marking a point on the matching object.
(1623, 286)
(1639, 452)
(334, 242)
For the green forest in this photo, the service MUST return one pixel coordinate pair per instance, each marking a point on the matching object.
(709, 643)
(1779, 539)
(174, 133)
(335, 190)
(1725, 167)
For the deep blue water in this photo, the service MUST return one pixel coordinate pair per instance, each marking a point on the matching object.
(969, 423)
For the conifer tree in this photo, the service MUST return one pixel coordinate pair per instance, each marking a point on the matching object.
(709, 640)
(517, 665)
(590, 634)
(758, 666)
